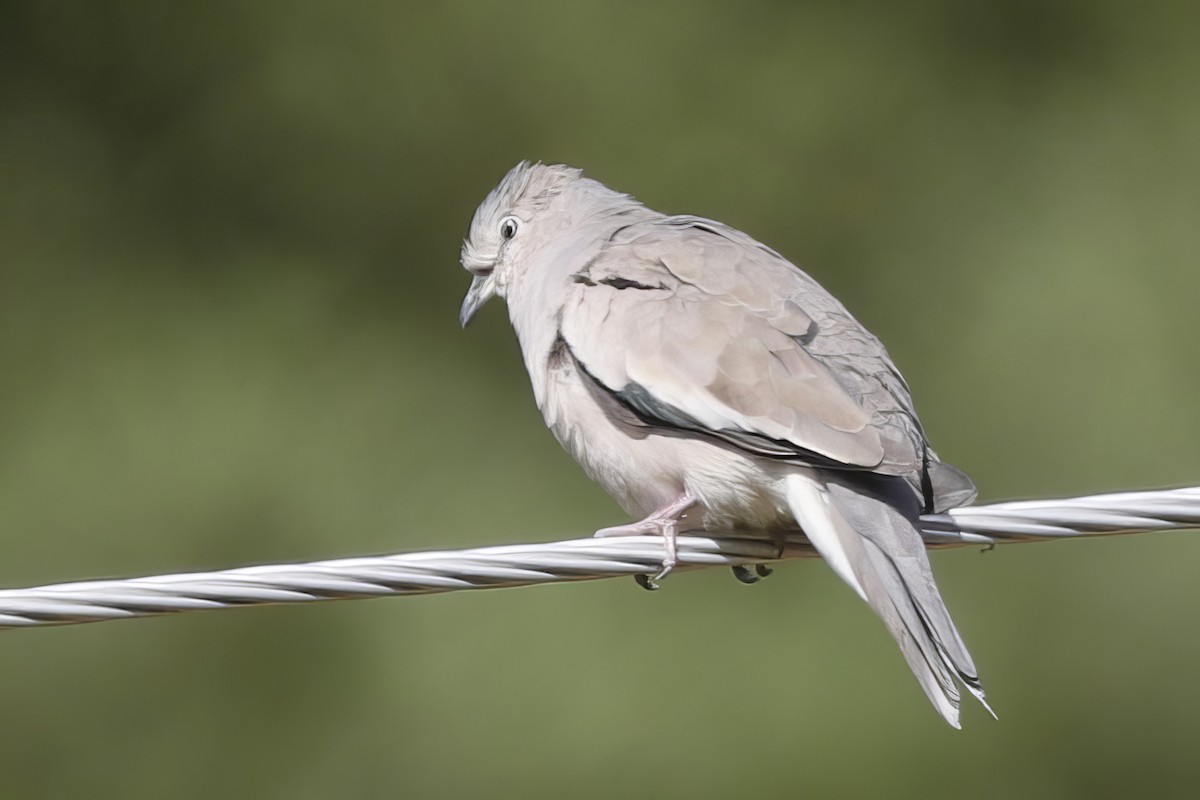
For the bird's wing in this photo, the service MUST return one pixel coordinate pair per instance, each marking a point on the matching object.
(694, 326)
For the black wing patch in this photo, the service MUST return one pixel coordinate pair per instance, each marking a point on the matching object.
(617, 282)
(625, 283)
(656, 414)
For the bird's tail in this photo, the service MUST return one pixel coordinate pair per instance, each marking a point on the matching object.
(874, 546)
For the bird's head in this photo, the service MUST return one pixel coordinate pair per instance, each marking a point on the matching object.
(535, 226)
(508, 225)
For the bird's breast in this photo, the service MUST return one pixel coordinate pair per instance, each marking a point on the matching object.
(644, 469)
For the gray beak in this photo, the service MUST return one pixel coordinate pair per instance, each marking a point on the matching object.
(483, 287)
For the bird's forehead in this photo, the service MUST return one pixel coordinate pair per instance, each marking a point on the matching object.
(498, 202)
(525, 190)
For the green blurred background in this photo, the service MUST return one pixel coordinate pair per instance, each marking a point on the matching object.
(228, 293)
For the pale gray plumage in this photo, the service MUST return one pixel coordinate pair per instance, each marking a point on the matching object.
(687, 366)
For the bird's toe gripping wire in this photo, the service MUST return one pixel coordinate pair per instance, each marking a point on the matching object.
(664, 523)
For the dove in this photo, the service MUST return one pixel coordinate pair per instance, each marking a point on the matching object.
(709, 385)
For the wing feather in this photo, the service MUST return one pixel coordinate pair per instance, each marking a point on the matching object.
(694, 329)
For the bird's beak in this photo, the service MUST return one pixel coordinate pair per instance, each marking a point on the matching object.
(483, 287)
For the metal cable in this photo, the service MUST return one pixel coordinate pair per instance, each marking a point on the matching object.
(557, 562)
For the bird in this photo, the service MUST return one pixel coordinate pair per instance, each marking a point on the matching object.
(708, 384)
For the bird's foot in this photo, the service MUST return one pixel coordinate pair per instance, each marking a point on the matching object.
(744, 574)
(667, 529)
(646, 582)
(664, 523)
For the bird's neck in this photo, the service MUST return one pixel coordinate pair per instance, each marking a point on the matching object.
(539, 293)
(535, 306)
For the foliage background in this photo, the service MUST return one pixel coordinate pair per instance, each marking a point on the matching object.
(228, 293)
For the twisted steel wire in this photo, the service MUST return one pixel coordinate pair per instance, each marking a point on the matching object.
(558, 562)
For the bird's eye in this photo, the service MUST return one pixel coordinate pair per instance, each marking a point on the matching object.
(508, 227)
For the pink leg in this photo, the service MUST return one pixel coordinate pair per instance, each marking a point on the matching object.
(664, 523)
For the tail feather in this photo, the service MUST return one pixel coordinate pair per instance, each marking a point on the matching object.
(873, 544)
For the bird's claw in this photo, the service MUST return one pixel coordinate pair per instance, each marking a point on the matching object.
(650, 584)
(744, 574)
(664, 523)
